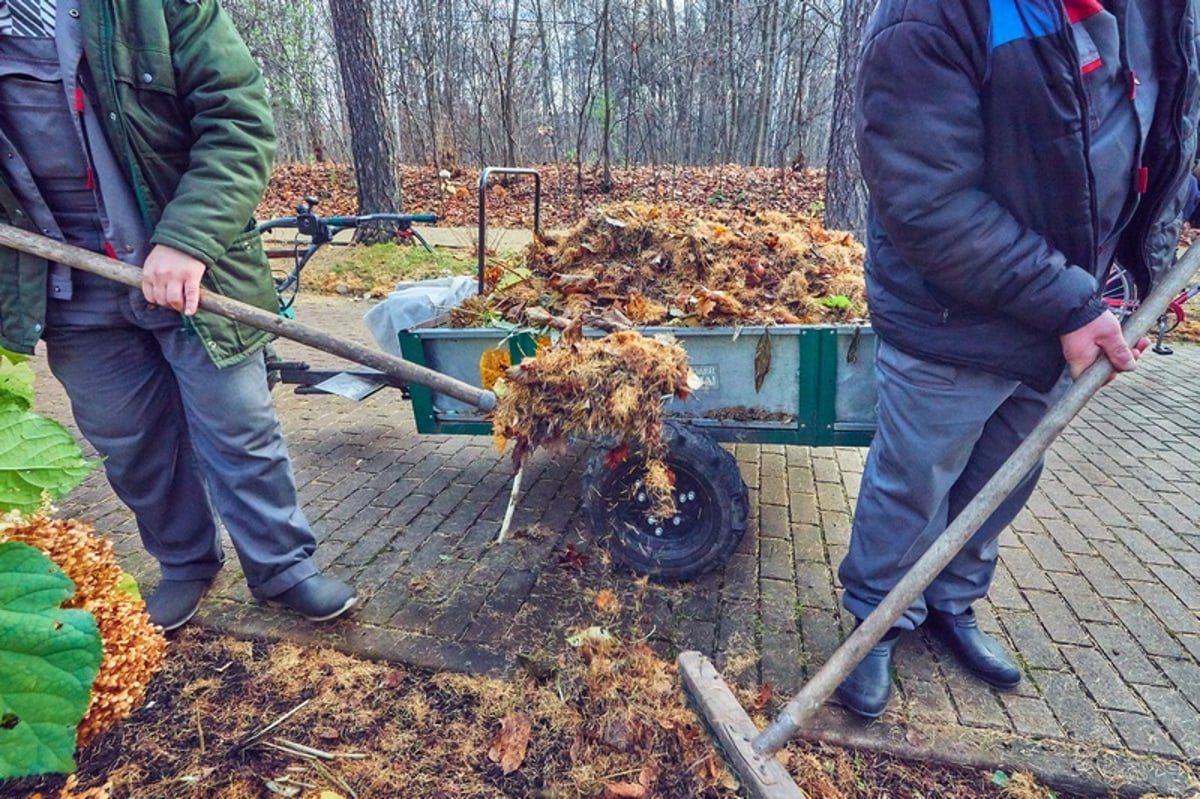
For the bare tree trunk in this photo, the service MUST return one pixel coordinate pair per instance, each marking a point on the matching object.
(845, 192)
(762, 118)
(509, 89)
(606, 179)
(371, 138)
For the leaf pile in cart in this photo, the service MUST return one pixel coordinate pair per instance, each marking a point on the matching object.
(610, 387)
(669, 265)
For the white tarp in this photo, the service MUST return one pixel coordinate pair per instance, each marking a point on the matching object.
(414, 302)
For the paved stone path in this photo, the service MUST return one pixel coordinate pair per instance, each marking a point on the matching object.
(1098, 590)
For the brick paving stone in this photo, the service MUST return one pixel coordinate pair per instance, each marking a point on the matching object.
(807, 544)
(1185, 674)
(740, 572)
(1101, 680)
(1125, 654)
(1167, 607)
(831, 498)
(1004, 593)
(1056, 616)
(773, 490)
(1045, 551)
(1144, 734)
(773, 522)
(928, 701)
(1148, 630)
(1144, 548)
(775, 556)
(1103, 579)
(1183, 584)
(782, 664)
(1176, 715)
(1078, 593)
(1074, 710)
(977, 704)
(1069, 532)
(824, 467)
(1192, 644)
(735, 633)
(836, 526)
(1024, 570)
(777, 607)
(1124, 562)
(815, 589)
(820, 635)
(1031, 716)
(695, 634)
(803, 508)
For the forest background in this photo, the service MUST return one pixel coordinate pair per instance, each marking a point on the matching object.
(599, 85)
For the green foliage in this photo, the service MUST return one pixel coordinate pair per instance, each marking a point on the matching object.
(838, 302)
(49, 658)
(389, 263)
(38, 457)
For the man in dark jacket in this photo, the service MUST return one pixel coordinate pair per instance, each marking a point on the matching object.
(161, 147)
(1013, 149)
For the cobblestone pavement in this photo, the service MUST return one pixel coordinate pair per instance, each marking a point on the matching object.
(1098, 589)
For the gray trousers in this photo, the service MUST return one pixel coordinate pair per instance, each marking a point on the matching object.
(943, 431)
(175, 431)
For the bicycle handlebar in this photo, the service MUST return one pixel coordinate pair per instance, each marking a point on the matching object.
(310, 223)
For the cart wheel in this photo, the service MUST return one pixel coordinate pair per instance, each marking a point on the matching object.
(712, 509)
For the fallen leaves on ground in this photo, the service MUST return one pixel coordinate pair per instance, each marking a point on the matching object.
(606, 717)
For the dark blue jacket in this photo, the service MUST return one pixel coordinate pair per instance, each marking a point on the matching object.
(971, 129)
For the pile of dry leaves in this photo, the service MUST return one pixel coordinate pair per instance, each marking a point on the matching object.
(669, 265)
(607, 387)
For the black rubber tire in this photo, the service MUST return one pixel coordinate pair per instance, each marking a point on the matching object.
(711, 498)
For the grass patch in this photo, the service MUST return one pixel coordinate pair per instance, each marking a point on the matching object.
(374, 270)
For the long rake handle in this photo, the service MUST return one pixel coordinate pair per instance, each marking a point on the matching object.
(387, 363)
(847, 656)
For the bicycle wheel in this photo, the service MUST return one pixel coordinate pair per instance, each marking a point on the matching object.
(1120, 292)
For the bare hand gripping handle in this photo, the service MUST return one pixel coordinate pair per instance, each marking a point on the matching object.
(254, 317)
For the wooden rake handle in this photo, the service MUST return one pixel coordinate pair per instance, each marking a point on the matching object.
(390, 365)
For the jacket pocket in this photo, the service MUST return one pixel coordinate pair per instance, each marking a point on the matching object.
(242, 273)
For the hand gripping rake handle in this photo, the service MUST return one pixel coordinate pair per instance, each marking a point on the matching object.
(254, 317)
(801, 707)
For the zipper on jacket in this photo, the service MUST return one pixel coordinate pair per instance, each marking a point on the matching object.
(110, 76)
(1068, 38)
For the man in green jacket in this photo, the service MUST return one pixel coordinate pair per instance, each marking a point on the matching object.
(162, 146)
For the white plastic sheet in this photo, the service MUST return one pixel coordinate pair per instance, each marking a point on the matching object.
(414, 302)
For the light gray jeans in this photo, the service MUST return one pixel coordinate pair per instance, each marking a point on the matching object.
(174, 430)
(943, 431)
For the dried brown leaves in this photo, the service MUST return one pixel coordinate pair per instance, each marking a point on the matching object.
(668, 265)
(610, 387)
(133, 647)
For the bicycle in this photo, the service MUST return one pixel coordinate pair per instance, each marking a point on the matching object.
(312, 233)
(1121, 296)
(321, 230)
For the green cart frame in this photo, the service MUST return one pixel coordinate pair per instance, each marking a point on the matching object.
(817, 389)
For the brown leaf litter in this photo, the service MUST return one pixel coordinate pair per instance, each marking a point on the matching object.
(605, 717)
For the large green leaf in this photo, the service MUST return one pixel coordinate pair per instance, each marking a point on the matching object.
(16, 383)
(36, 454)
(49, 658)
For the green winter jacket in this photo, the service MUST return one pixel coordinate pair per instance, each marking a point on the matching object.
(185, 110)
